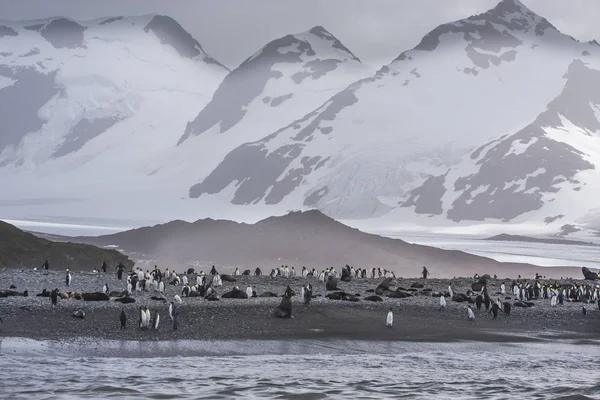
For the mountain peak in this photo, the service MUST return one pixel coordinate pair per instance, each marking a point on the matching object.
(170, 32)
(313, 55)
(499, 27)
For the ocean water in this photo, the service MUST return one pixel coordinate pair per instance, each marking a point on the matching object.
(298, 370)
(542, 254)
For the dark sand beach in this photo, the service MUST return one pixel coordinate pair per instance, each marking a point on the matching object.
(417, 318)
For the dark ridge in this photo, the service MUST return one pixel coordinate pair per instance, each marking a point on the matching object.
(20, 103)
(7, 31)
(84, 131)
(20, 249)
(64, 33)
(35, 27)
(323, 33)
(109, 20)
(172, 34)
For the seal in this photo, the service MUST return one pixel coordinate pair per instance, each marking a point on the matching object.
(235, 293)
(383, 286)
(284, 310)
(331, 283)
(79, 314)
(95, 296)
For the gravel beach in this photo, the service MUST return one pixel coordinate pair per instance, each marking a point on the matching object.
(416, 318)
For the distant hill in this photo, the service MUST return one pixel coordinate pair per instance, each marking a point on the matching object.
(19, 249)
(504, 237)
(307, 238)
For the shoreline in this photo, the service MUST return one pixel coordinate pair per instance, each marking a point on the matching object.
(101, 348)
(417, 318)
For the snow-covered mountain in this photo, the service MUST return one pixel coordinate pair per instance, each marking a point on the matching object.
(363, 151)
(538, 173)
(82, 104)
(492, 119)
(280, 83)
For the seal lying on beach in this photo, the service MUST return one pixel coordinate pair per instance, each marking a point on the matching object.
(228, 278)
(125, 299)
(11, 293)
(235, 293)
(268, 294)
(97, 296)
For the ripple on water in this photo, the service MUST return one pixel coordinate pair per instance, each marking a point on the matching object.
(450, 371)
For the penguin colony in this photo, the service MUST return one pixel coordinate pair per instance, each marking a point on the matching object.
(522, 293)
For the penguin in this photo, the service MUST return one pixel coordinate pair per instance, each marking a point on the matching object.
(68, 278)
(302, 291)
(389, 319)
(442, 302)
(105, 288)
(171, 310)
(450, 291)
(161, 286)
(148, 320)
(494, 310)
(236, 272)
(142, 318)
(307, 294)
(249, 291)
(503, 288)
(156, 320)
(123, 319)
(470, 313)
(54, 296)
(177, 299)
(584, 311)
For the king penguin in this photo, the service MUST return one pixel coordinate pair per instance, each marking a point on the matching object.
(442, 302)
(105, 288)
(68, 278)
(249, 291)
(171, 310)
(148, 318)
(156, 320)
(470, 313)
(389, 319)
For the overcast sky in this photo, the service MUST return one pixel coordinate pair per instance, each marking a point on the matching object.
(376, 31)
